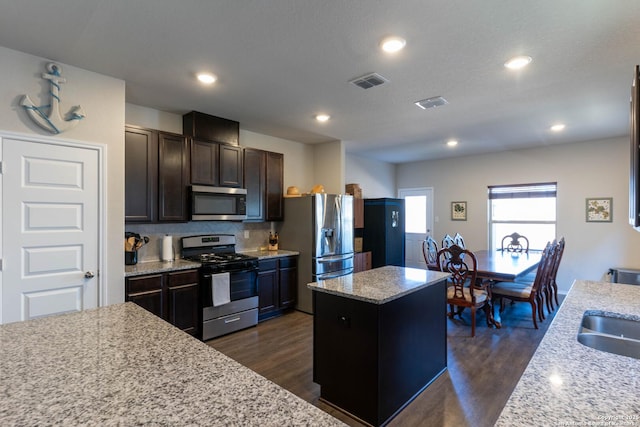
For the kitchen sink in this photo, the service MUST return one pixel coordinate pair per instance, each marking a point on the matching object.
(610, 332)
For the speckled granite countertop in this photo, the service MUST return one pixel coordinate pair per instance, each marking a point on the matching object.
(270, 254)
(158, 267)
(120, 365)
(567, 383)
(379, 285)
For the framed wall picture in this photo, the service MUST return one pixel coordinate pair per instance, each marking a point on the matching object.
(458, 211)
(599, 209)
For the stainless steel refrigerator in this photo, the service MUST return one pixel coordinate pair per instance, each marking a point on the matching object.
(320, 227)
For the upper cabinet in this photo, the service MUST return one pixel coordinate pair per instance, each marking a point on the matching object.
(216, 164)
(211, 128)
(156, 165)
(263, 179)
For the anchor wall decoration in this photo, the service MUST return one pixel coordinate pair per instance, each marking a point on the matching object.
(52, 121)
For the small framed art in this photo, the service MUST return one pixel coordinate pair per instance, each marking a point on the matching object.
(599, 209)
(458, 211)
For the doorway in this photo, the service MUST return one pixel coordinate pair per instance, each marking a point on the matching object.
(418, 223)
(51, 227)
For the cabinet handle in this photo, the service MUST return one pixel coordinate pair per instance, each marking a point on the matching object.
(235, 319)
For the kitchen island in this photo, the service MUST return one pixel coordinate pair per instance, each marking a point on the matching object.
(379, 339)
(121, 365)
(567, 383)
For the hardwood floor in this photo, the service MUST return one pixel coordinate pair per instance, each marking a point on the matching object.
(482, 371)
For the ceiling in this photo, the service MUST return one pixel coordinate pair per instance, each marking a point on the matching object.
(281, 62)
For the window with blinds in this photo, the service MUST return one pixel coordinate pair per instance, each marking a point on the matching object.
(528, 209)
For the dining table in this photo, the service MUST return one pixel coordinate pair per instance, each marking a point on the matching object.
(503, 266)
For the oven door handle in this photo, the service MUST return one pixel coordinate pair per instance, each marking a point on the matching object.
(246, 270)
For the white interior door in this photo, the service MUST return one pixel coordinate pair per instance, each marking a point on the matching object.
(50, 229)
(418, 223)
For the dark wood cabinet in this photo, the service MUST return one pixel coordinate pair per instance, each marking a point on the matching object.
(373, 359)
(288, 282)
(230, 166)
(204, 163)
(277, 286)
(254, 182)
(219, 165)
(263, 179)
(267, 286)
(141, 174)
(274, 187)
(156, 165)
(171, 296)
(173, 164)
(211, 128)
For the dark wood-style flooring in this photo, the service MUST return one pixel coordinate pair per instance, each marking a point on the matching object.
(482, 371)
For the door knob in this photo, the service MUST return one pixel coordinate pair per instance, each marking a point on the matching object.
(89, 275)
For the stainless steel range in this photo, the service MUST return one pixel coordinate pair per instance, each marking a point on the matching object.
(228, 284)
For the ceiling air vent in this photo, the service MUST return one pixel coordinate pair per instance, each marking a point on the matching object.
(369, 80)
(436, 101)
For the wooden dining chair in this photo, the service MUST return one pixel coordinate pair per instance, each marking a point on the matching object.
(459, 240)
(515, 242)
(430, 253)
(528, 292)
(447, 241)
(461, 291)
(551, 287)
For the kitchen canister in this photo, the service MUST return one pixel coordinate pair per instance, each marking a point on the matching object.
(167, 248)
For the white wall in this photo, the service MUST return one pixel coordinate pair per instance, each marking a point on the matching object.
(329, 165)
(376, 179)
(582, 170)
(102, 99)
(152, 119)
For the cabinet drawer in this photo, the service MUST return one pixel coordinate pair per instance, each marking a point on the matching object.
(183, 278)
(288, 262)
(224, 325)
(268, 264)
(144, 284)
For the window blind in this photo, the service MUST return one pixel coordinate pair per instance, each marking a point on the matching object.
(523, 191)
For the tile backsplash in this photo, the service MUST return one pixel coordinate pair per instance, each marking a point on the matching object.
(258, 235)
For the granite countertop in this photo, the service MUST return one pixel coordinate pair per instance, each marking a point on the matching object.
(567, 383)
(379, 285)
(270, 254)
(121, 365)
(153, 267)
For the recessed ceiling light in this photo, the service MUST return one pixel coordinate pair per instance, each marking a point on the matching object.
(322, 117)
(518, 62)
(452, 143)
(207, 78)
(557, 127)
(393, 44)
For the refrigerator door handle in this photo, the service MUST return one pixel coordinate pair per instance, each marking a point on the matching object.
(334, 258)
(334, 275)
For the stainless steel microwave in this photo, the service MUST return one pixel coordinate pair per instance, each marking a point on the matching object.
(218, 203)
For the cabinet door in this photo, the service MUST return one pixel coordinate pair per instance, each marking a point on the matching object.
(172, 182)
(204, 163)
(146, 291)
(267, 286)
(274, 184)
(230, 166)
(141, 174)
(288, 282)
(254, 182)
(182, 300)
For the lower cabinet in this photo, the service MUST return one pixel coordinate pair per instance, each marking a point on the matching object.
(277, 285)
(171, 296)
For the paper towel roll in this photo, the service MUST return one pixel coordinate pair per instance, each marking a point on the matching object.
(167, 248)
